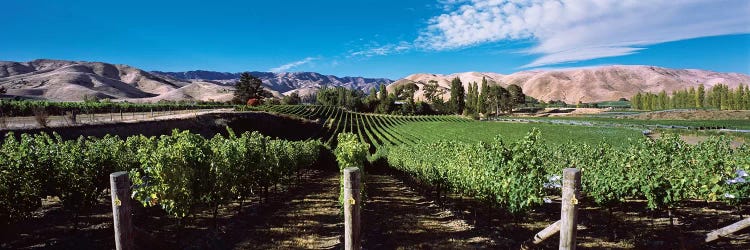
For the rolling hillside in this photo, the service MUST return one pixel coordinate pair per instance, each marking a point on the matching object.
(589, 84)
(73, 80)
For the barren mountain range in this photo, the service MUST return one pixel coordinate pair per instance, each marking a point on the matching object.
(595, 84)
(304, 83)
(72, 81)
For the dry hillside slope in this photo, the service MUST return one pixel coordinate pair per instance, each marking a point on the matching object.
(304, 83)
(588, 84)
(73, 80)
(60, 80)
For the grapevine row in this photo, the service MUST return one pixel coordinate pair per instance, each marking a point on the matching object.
(374, 129)
(177, 172)
(519, 176)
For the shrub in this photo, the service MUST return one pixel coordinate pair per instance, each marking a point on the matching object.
(41, 117)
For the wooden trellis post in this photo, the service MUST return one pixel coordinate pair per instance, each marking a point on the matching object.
(123, 224)
(352, 200)
(571, 188)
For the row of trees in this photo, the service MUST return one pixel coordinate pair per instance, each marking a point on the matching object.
(471, 102)
(401, 100)
(343, 97)
(484, 100)
(380, 101)
(719, 96)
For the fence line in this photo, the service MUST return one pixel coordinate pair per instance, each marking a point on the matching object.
(32, 122)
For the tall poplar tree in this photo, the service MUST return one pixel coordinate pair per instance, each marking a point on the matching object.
(458, 94)
(482, 100)
(475, 98)
(635, 102)
(700, 96)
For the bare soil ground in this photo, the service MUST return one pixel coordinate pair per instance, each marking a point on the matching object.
(308, 218)
(397, 217)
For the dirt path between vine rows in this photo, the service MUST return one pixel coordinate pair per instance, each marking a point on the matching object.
(308, 218)
(397, 217)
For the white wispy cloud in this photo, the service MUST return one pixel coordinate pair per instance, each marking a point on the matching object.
(291, 65)
(577, 30)
(382, 50)
(448, 5)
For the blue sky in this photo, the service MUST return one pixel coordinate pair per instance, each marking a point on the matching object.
(381, 38)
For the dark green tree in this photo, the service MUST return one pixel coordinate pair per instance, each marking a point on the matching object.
(662, 101)
(700, 96)
(472, 96)
(481, 107)
(409, 107)
(406, 91)
(341, 100)
(372, 101)
(689, 99)
(458, 94)
(249, 87)
(291, 99)
(636, 101)
(383, 93)
(498, 98)
(385, 105)
(516, 96)
(327, 96)
(432, 91)
(652, 102)
(351, 99)
(739, 97)
(469, 109)
(724, 101)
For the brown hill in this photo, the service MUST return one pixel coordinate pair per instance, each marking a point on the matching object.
(593, 84)
(71, 81)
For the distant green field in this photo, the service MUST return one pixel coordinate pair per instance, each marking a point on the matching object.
(614, 104)
(730, 124)
(486, 131)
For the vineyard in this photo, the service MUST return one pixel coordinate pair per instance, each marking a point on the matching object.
(177, 172)
(382, 131)
(664, 172)
(376, 130)
(453, 155)
(506, 175)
